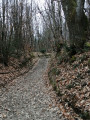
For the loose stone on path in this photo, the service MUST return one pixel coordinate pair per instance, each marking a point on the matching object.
(29, 99)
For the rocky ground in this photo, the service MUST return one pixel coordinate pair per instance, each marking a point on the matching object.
(29, 98)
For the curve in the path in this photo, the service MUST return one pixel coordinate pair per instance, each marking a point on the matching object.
(28, 98)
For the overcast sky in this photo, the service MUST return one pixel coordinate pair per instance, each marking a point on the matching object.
(40, 2)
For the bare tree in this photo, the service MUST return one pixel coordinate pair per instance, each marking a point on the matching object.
(16, 27)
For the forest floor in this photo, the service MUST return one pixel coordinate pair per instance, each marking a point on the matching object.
(29, 97)
(71, 81)
(15, 68)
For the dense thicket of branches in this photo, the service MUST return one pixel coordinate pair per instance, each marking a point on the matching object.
(70, 27)
(16, 28)
(52, 23)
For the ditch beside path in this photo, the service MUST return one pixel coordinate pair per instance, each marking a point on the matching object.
(28, 98)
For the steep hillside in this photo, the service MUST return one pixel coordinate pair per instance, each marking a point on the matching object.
(70, 79)
(15, 68)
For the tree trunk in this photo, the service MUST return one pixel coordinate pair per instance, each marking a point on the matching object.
(76, 21)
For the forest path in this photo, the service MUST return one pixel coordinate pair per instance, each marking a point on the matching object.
(28, 98)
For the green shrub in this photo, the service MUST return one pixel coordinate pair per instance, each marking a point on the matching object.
(72, 59)
(43, 51)
(70, 86)
(60, 59)
(55, 71)
(87, 46)
(59, 92)
(54, 86)
(32, 55)
(70, 50)
(79, 75)
(89, 63)
(85, 115)
(75, 66)
(82, 58)
(58, 46)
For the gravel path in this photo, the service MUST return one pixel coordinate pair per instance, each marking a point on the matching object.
(28, 97)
